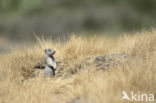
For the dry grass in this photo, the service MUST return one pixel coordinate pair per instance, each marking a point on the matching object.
(87, 86)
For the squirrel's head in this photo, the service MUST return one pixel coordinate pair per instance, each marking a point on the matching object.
(49, 52)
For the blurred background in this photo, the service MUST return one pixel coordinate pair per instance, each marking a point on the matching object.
(21, 20)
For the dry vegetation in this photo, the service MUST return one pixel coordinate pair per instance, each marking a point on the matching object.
(88, 85)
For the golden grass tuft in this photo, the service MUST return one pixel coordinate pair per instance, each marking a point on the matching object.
(87, 86)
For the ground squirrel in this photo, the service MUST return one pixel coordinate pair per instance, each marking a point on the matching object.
(50, 64)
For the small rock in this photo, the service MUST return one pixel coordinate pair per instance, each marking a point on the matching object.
(109, 60)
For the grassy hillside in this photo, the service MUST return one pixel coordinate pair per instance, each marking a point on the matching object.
(88, 85)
